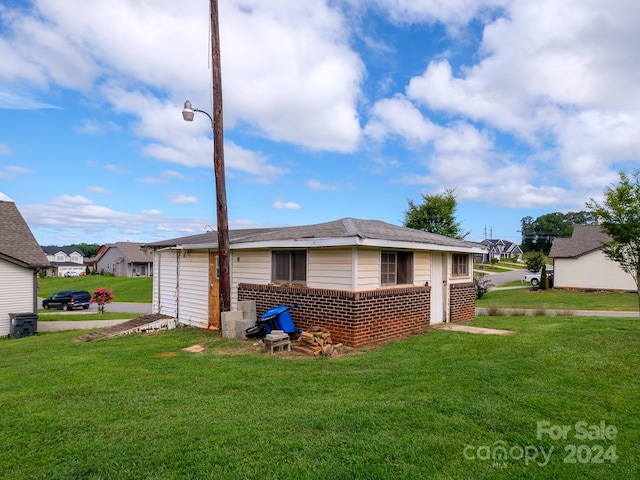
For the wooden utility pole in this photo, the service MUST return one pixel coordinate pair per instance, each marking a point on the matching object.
(218, 163)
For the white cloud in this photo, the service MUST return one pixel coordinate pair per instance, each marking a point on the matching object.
(17, 169)
(165, 177)
(3, 196)
(99, 190)
(69, 213)
(317, 185)
(180, 199)
(5, 150)
(290, 72)
(115, 169)
(559, 76)
(398, 116)
(95, 127)
(453, 13)
(278, 205)
(152, 212)
(12, 172)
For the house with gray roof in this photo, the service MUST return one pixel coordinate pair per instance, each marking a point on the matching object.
(366, 281)
(21, 258)
(580, 263)
(500, 249)
(124, 259)
(64, 261)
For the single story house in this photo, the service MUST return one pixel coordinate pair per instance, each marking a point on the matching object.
(64, 261)
(580, 263)
(124, 259)
(366, 281)
(21, 258)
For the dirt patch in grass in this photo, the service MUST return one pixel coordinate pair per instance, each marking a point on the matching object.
(476, 330)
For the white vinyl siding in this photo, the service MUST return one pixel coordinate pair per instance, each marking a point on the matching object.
(165, 277)
(591, 271)
(16, 293)
(249, 266)
(193, 304)
(368, 269)
(330, 268)
(421, 267)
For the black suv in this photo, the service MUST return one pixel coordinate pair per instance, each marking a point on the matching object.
(68, 300)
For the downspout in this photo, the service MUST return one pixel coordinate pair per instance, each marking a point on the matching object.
(177, 294)
(35, 289)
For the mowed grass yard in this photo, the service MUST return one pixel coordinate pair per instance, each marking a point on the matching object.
(125, 289)
(526, 298)
(433, 406)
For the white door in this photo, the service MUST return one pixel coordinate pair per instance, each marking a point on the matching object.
(439, 288)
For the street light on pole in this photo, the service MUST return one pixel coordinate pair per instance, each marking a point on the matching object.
(188, 113)
(218, 160)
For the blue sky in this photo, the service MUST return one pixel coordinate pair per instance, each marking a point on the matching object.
(332, 109)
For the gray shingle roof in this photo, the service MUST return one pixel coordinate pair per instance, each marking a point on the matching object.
(338, 229)
(52, 250)
(132, 252)
(17, 243)
(585, 239)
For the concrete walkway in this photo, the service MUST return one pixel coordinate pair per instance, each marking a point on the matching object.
(477, 330)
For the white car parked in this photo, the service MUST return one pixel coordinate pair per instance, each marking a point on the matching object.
(534, 278)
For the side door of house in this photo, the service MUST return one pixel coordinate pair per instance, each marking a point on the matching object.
(439, 288)
(214, 291)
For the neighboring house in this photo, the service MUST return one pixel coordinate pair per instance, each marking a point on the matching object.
(64, 261)
(366, 281)
(21, 259)
(124, 259)
(580, 263)
(500, 249)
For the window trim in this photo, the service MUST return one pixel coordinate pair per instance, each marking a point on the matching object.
(401, 258)
(291, 274)
(456, 263)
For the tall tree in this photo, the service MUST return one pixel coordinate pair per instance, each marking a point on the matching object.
(88, 249)
(619, 217)
(436, 214)
(538, 234)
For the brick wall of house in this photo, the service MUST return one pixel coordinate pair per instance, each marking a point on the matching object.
(462, 302)
(353, 318)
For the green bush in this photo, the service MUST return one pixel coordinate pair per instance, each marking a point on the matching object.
(535, 261)
(481, 284)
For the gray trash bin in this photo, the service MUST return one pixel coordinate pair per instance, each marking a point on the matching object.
(23, 324)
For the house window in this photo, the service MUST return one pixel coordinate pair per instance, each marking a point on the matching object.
(59, 258)
(459, 265)
(289, 266)
(75, 258)
(396, 268)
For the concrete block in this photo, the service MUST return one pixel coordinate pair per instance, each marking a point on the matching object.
(228, 320)
(244, 324)
(248, 309)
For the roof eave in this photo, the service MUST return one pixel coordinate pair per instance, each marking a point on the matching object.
(340, 242)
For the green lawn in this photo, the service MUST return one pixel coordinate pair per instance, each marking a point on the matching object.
(431, 406)
(125, 289)
(526, 298)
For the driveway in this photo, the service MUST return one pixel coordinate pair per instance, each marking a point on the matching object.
(497, 279)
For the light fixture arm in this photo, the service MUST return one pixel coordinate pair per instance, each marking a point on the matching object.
(188, 110)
